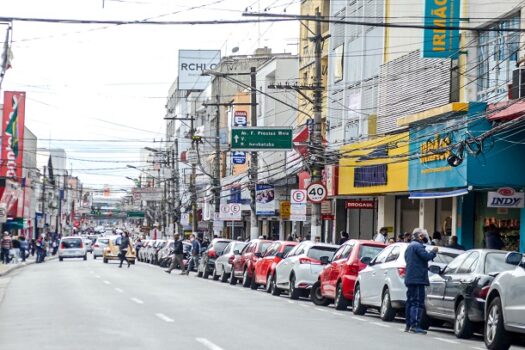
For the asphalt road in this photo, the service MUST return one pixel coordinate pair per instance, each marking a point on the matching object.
(79, 304)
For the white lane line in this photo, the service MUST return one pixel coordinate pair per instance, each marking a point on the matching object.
(208, 344)
(290, 302)
(319, 309)
(303, 305)
(138, 301)
(119, 290)
(107, 282)
(359, 319)
(447, 340)
(477, 348)
(164, 317)
(97, 276)
(337, 313)
(381, 324)
(91, 271)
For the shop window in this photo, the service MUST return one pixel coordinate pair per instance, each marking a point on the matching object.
(338, 63)
(373, 175)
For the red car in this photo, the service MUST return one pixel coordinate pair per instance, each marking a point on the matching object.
(244, 264)
(265, 267)
(337, 280)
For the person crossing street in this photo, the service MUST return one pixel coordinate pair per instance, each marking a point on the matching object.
(124, 247)
(178, 258)
(195, 252)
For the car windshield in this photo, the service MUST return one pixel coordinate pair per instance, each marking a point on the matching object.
(317, 252)
(287, 249)
(444, 257)
(72, 243)
(495, 263)
(263, 246)
(220, 245)
(369, 251)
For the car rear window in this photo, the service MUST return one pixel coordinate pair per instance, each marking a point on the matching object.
(263, 246)
(369, 251)
(495, 262)
(220, 245)
(72, 243)
(317, 252)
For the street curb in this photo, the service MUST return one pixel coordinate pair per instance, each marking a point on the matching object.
(17, 266)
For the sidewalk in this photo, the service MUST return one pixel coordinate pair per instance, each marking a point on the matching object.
(5, 269)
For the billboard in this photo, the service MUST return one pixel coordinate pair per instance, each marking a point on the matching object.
(13, 134)
(264, 199)
(191, 65)
(441, 34)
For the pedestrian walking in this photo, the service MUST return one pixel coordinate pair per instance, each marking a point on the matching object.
(344, 237)
(40, 249)
(33, 247)
(436, 239)
(24, 246)
(493, 238)
(124, 246)
(416, 279)
(6, 245)
(16, 249)
(454, 243)
(382, 236)
(195, 252)
(178, 257)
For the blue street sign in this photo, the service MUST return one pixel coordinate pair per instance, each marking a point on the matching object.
(239, 157)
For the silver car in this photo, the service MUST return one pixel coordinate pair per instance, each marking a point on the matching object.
(99, 245)
(72, 247)
(223, 264)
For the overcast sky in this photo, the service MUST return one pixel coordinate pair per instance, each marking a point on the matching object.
(106, 82)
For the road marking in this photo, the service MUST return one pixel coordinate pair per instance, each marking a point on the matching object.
(119, 290)
(164, 317)
(319, 309)
(303, 305)
(97, 276)
(337, 313)
(290, 302)
(208, 344)
(447, 340)
(91, 272)
(477, 348)
(381, 324)
(359, 319)
(107, 282)
(138, 301)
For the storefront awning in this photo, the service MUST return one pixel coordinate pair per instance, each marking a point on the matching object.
(507, 110)
(438, 194)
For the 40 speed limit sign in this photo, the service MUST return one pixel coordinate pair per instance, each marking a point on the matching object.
(316, 192)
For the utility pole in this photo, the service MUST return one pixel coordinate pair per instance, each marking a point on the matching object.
(44, 199)
(176, 188)
(254, 224)
(316, 139)
(193, 186)
(217, 159)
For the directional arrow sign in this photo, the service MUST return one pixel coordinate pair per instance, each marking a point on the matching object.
(261, 138)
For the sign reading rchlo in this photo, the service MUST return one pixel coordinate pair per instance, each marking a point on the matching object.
(255, 139)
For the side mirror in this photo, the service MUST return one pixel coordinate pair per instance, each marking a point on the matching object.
(236, 252)
(435, 269)
(513, 258)
(366, 260)
(324, 260)
(280, 255)
(258, 255)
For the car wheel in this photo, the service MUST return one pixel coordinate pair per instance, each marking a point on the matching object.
(85, 257)
(205, 273)
(357, 307)
(294, 293)
(94, 257)
(463, 327)
(253, 285)
(132, 262)
(60, 259)
(224, 276)
(494, 334)
(387, 312)
(341, 303)
(268, 287)
(246, 280)
(316, 296)
(233, 279)
(276, 291)
(105, 261)
(214, 275)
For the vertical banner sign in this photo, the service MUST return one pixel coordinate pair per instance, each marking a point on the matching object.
(13, 134)
(298, 203)
(264, 199)
(441, 36)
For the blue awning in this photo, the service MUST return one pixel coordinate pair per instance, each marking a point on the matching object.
(438, 194)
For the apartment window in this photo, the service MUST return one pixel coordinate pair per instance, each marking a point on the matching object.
(497, 56)
(338, 62)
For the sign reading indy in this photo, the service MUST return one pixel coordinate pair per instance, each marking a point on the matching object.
(261, 138)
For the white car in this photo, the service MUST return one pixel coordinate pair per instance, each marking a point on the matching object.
(223, 264)
(381, 285)
(99, 245)
(72, 247)
(505, 306)
(88, 243)
(300, 270)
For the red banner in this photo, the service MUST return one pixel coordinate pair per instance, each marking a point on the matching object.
(359, 204)
(13, 135)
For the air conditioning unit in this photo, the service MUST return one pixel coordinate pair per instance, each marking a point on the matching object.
(518, 83)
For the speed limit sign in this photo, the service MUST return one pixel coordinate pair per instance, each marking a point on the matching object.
(316, 192)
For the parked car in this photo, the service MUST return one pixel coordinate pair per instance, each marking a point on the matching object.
(99, 245)
(164, 253)
(72, 247)
(154, 250)
(381, 285)
(144, 250)
(147, 253)
(505, 306)
(300, 270)
(223, 264)
(265, 267)
(112, 251)
(244, 263)
(457, 293)
(88, 244)
(208, 256)
(337, 280)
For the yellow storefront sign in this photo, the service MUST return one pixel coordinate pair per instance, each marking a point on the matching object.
(284, 210)
(375, 166)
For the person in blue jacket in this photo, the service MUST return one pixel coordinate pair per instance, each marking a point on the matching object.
(416, 278)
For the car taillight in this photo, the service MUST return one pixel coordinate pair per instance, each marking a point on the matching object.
(96, 245)
(483, 292)
(352, 270)
(230, 259)
(62, 246)
(212, 254)
(401, 271)
(81, 245)
(309, 261)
